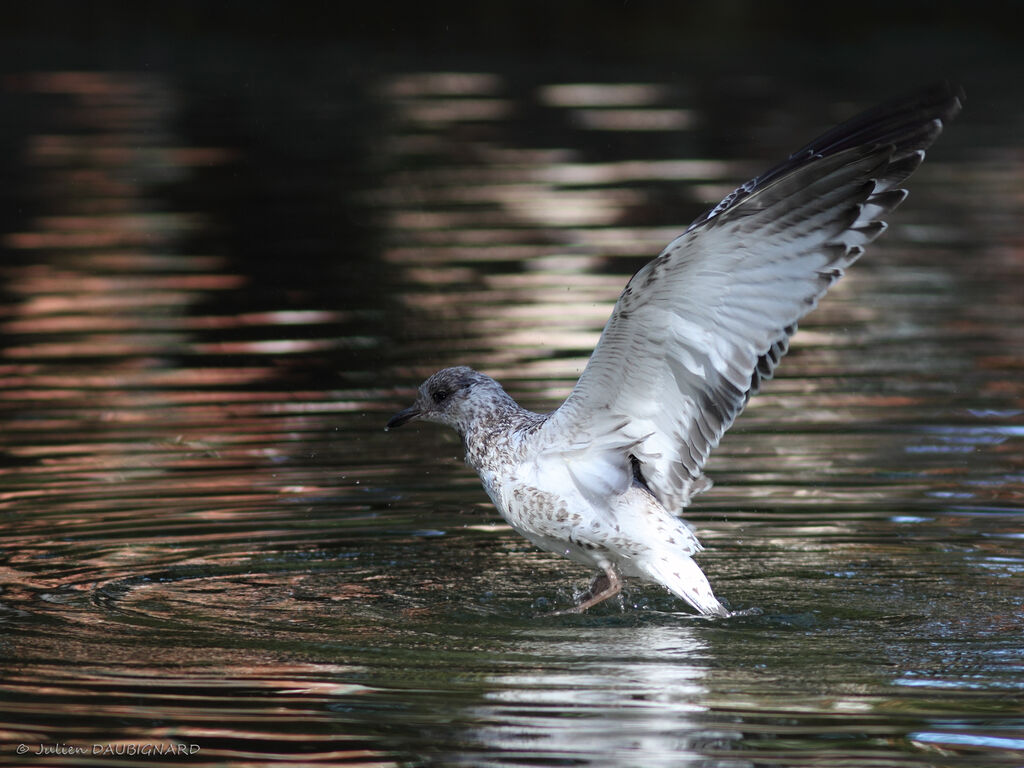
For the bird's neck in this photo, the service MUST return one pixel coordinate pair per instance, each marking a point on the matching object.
(498, 433)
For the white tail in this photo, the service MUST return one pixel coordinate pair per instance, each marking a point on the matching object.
(684, 578)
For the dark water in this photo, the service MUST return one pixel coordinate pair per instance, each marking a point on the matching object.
(217, 284)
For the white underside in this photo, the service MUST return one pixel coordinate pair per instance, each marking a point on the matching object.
(624, 529)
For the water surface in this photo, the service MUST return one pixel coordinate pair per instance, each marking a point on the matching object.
(215, 295)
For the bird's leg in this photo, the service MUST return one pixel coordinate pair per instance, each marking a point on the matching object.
(604, 585)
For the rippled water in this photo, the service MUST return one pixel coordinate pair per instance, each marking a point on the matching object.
(213, 297)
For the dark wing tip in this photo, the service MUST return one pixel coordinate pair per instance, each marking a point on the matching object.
(908, 124)
(914, 121)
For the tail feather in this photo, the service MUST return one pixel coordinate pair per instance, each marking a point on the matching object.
(685, 579)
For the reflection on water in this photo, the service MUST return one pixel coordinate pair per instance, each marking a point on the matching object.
(208, 539)
(627, 691)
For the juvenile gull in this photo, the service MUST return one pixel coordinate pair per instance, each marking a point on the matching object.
(693, 335)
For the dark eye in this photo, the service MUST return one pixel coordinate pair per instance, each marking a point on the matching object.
(440, 396)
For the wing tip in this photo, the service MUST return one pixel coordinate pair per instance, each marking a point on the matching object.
(908, 124)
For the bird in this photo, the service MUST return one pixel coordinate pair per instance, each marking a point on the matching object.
(695, 333)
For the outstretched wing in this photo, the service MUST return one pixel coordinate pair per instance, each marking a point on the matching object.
(698, 328)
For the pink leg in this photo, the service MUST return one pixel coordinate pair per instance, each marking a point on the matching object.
(605, 585)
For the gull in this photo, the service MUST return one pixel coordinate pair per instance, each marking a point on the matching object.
(603, 479)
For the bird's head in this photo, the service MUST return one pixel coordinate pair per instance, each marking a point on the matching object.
(455, 397)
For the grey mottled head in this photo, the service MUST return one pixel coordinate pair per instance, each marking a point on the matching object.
(455, 397)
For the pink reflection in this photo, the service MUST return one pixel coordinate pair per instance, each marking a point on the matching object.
(633, 119)
(109, 85)
(109, 437)
(421, 84)
(117, 150)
